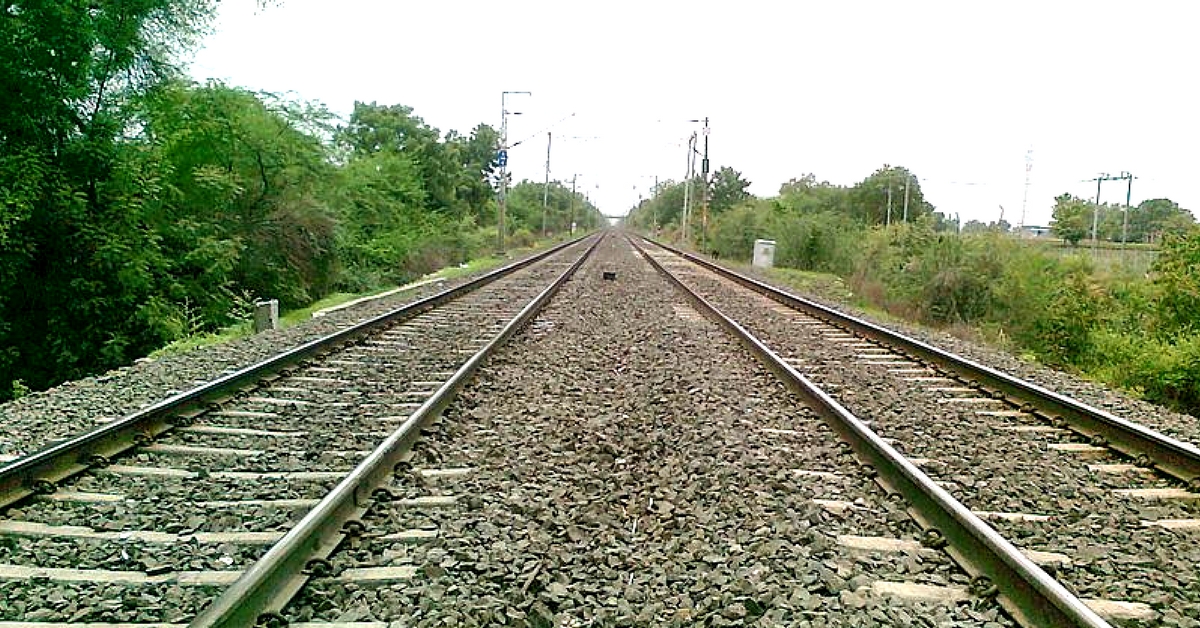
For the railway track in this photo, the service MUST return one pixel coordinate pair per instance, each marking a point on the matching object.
(1096, 500)
(624, 461)
(186, 505)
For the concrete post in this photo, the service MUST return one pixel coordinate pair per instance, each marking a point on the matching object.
(266, 315)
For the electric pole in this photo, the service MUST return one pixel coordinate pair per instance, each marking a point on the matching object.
(654, 208)
(502, 157)
(574, 177)
(687, 185)
(1025, 200)
(1128, 196)
(907, 181)
(704, 199)
(546, 185)
(1096, 208)
(888, 220)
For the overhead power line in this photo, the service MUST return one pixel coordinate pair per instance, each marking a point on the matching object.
(543, 130)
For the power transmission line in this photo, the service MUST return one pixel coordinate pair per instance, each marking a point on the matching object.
(543, 130)
(1096, 208)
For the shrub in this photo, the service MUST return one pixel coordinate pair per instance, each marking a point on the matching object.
(1176, 273)
(1166, 372)
(823, 242)
(734, 232)
(521, 238)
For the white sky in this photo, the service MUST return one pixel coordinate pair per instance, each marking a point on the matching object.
(955, 91)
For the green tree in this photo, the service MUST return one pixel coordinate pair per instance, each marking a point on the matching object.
(868, 200)
(805, 195)
(477, 166)
(728, 190)
(664, 208)
(1152, 219)
(241, 208)
(81, 274)
(377, 128)
(525, 208)
(1070, 218)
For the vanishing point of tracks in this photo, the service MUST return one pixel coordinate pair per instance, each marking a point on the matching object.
(621, 461)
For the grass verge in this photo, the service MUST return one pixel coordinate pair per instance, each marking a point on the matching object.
(297, 316)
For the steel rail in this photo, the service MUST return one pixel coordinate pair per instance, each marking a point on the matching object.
(1148, 447)
(266, 587)
(41, 471)
(1027, 592)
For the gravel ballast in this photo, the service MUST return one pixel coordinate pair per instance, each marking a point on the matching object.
(1175, 424)
(31, 422)
(629, 464)
(994, 462)
(323, 416)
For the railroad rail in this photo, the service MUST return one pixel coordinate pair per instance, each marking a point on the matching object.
(40, 471)
(383, 522)
(265, 586)
(1027, 592)
(1147, 447)
(608, 335)
(862, 370)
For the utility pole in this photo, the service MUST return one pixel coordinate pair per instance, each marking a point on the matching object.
(888, 220)
(1096, 208)
(546, 185)
(1025, 200)
(1128, 196)
(653, 208)
(502, 157)
(704, 199)
(574, 177)
(687, 185)
(907, 181)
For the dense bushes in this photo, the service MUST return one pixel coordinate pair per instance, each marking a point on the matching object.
(212, 197)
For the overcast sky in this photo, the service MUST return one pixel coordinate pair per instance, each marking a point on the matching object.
(957, 92)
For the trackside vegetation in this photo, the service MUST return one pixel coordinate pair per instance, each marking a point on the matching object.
(138, 208)
(1129, 322)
